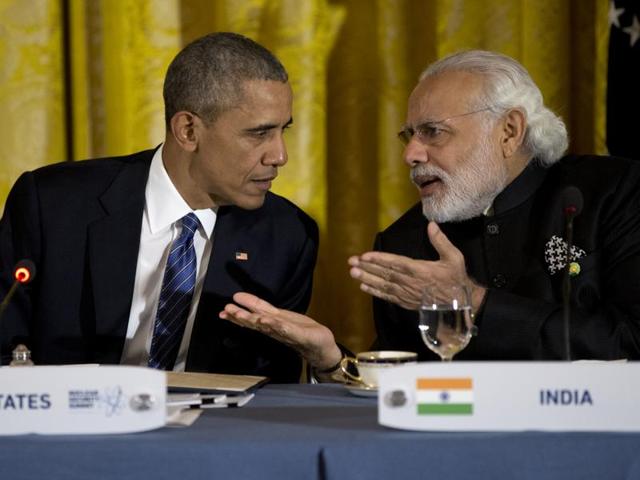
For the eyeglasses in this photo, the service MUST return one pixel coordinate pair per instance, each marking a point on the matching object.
(432, 132)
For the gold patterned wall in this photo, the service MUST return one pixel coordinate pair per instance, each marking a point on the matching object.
(352, 65)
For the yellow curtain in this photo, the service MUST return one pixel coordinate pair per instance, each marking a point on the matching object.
(352, 65)
(31, 88)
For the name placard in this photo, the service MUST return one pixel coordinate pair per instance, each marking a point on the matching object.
(511, 396)
(81, 399)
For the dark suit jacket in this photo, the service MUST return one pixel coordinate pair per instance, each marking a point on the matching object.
(522, 315)
(80, 223)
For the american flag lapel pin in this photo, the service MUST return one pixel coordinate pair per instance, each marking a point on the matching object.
(242, 256)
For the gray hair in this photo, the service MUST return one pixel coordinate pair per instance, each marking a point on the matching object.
(207, 76)
(509, 86)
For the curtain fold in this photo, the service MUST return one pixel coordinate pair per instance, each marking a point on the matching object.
(352, 65)
(31, 88)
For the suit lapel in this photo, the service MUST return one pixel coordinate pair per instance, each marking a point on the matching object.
(231, 237)
(113, 243)
(219, 285)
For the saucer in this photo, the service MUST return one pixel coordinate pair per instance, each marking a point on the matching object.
(361, 390)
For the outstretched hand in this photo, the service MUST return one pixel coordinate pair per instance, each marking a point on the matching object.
(312, 340)
(401, 280)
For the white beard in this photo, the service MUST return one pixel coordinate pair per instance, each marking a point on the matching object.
(469, 190)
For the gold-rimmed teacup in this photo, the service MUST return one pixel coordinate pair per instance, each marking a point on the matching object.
(370, 363)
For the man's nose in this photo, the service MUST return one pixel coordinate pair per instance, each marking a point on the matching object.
(277, 155)
(415, 152)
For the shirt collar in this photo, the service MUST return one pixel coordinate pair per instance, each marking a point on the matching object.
(163, 203)
(519, 190)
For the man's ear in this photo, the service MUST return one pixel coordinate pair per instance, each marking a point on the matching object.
(183, 129)
(513, 129)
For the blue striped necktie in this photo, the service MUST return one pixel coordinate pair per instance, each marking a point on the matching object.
(175, 297)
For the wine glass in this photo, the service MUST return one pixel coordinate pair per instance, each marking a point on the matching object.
(446, 324)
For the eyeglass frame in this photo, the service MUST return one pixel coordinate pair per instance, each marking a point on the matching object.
(406, 134)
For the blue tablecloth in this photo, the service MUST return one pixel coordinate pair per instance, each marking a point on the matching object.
(317, 431)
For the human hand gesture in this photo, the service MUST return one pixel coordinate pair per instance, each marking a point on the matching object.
(401, 280)
(311, 339)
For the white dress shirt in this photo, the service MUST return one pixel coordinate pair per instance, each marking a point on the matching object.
(161, 225)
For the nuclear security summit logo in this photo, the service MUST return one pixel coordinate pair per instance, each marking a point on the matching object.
(110, 400)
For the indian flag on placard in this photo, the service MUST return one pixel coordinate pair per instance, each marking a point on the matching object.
(444, 396)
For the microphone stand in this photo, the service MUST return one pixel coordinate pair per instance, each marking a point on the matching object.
(23, 273)
(3, 307)
(570, 212)
(7, 298)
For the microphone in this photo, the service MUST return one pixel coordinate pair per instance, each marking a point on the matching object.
(23, 273)
(572, 203)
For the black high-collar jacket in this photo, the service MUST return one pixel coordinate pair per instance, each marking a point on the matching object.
(522, 316)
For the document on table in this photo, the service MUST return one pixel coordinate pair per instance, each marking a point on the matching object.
(184, 408)
(196, 382)
(203, 400)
